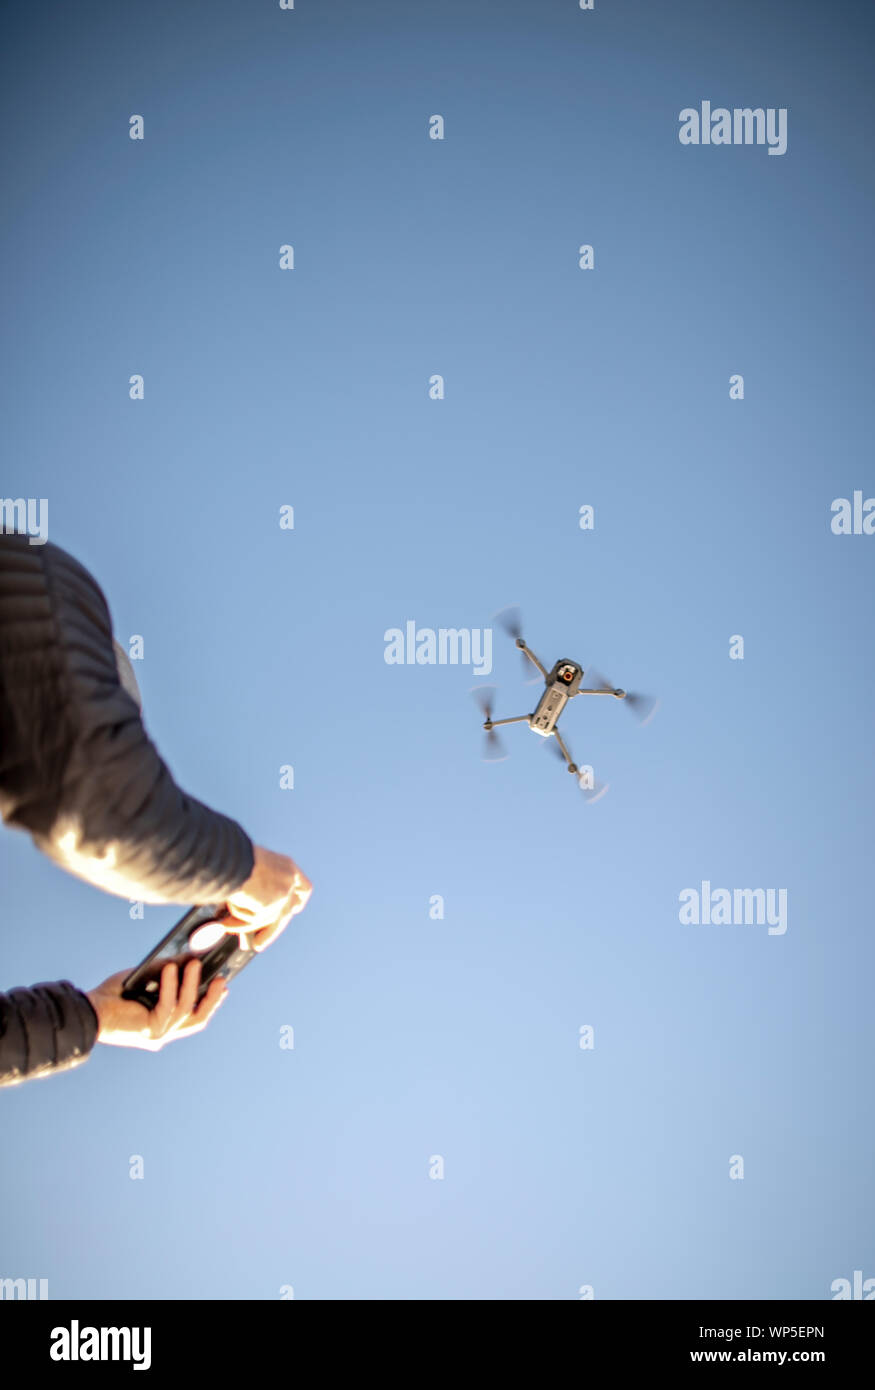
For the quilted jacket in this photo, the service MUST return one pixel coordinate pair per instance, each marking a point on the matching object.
(80, 775)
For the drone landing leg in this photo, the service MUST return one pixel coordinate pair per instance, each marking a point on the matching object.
(572, 766)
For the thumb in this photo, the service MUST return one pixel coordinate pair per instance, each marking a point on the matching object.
(236, 925)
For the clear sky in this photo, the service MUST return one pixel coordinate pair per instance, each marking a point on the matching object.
(459, 1037)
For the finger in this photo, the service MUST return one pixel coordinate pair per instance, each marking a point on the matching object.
(216, 995)
(301, 897)
(163, 1010)
(235, 922)
(250, 913)
(260, 940)
(246, 914)
(187, 1001)
(234, 926)
(298, 898)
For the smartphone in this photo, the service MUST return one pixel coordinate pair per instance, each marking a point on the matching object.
(220, 953)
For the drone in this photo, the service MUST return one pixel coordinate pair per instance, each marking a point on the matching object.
(562, 683)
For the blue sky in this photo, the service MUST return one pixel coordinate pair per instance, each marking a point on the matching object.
(458, 1037)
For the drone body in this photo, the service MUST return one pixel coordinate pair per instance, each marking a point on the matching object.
(561, 684)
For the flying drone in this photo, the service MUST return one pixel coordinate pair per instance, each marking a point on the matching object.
(562, 683)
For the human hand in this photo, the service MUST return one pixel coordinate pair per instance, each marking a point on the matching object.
(125, 1023)
(264, 905)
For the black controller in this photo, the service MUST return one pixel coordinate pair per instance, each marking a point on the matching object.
(227, 957)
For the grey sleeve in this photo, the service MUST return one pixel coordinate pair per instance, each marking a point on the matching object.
(77, 768)
(46, 1029)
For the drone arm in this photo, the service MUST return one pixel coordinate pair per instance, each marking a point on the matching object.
(617, 694)
(572, 766)
(514, 719)
(526, 651)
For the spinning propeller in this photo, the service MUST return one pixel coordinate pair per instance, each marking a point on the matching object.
(511, 620)
(590, 794)
(493, 748)
(642, 706)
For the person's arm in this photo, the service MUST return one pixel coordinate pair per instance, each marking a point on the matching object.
(77, 769)
(51, 1028)
(46, 1029)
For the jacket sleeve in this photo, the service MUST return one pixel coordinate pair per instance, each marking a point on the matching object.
(77, 769)
(43, 1030)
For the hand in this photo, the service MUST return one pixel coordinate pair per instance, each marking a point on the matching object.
(125, 1023)
(274, 892)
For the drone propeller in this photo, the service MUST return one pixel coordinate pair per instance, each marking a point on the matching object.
(511, 620)
(590, 794)
(643, 707)
(493, 748)
(484, 695)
